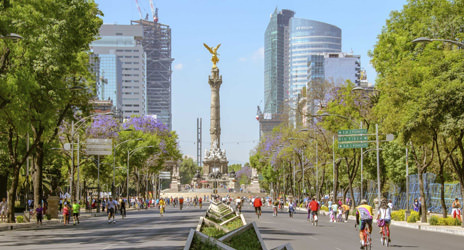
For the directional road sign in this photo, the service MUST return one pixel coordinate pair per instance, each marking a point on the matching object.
(99, 146)
(353, 138)
(353, 145)
(352, 131)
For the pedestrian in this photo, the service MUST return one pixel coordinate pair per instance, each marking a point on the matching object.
(66, 212)
(417, 207)
(346, 211)
(456, 206)
(39, 214)
(200, 202)
(111, 206)
(291, 209)
(123, 208)
(76, 208)
(275, 206)
(3, 209)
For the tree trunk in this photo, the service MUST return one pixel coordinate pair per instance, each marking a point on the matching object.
(422, 195)
(12, 193)
(38, 166)
(3, 185)
(442, 192)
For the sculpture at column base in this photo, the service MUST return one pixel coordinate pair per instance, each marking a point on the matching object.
(254, 186)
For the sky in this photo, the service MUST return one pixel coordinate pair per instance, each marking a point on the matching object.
(239, 25)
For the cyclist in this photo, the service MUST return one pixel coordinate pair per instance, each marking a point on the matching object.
(385, 215)
(313, 207)
(123, 208)
(275, 206)
(162, 205)
(238, 204)
(257, 204)
(364, 217)
(200, 202)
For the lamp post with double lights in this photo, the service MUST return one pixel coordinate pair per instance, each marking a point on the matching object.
(129, 153)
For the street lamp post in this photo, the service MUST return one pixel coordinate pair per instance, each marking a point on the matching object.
(73, 125)
(114, 162)
(427, 40)
(129, 153)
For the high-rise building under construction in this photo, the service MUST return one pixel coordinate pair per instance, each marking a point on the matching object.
(156, 43)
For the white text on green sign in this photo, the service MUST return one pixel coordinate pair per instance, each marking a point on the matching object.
(353, 138)
(352, 131)
(353, 145)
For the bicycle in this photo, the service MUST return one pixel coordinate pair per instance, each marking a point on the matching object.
(367, 238)
(385, 240)
(314, 219)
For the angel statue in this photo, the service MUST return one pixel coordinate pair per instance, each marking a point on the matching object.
(214, 54)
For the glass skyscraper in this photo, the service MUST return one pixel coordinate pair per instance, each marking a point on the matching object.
(276, 61)
(309, 37)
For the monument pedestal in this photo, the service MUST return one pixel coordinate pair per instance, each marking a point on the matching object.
(52, 209)
(254, 185)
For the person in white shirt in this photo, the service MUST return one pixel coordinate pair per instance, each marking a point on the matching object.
(111, 206)
(3, 209)
(384, 214)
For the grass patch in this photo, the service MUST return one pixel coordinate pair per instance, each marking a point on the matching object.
(234, 224)
(197, 244)
(211, 218)
(230, 216)
(212, 231)
(245, 241)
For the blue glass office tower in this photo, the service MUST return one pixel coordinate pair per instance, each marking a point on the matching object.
(309, 37)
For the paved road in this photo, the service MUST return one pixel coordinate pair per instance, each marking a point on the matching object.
(142, 229)
(340, 236)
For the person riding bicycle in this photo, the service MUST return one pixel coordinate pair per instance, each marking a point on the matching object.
(313, 208)
(257, 204)
(385, 215)
(364, 217)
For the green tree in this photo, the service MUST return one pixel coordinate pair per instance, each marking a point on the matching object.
(418, 82)
(187, 170)
(40, 76)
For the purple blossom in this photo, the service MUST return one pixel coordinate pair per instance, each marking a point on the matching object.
(104, 126)
(146, 124)
(245, 171)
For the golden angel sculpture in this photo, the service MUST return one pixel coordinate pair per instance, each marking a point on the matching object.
(214, 53)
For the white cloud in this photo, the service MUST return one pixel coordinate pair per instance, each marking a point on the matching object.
(178, 66)
(242, 59)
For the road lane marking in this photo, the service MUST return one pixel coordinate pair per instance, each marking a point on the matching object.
(337, 248)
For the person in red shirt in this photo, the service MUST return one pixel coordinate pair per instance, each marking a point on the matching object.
(181, 202)
(314, 207)
(200, 201)
(257, 204)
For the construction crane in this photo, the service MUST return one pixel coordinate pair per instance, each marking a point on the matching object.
(138, 7)
(154, 11)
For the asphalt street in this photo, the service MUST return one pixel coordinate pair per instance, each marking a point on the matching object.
(340, 236)
(143, 229)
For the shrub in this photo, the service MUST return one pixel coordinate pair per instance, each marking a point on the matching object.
(48, 216)
(441, 222)
(450, 221)
(433, 221)
(398, 215)
(324, 208)
(19, 219)
(413, 217)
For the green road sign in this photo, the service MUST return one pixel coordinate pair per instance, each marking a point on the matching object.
(353, 138)
(353, 145)
(352, 131)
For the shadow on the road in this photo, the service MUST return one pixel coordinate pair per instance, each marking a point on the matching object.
(267, 230)
(400, 246)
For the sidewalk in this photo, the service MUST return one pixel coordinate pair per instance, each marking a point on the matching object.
(33, 224)
(455, 230)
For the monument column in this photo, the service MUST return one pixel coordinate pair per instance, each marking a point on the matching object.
(215, 81)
